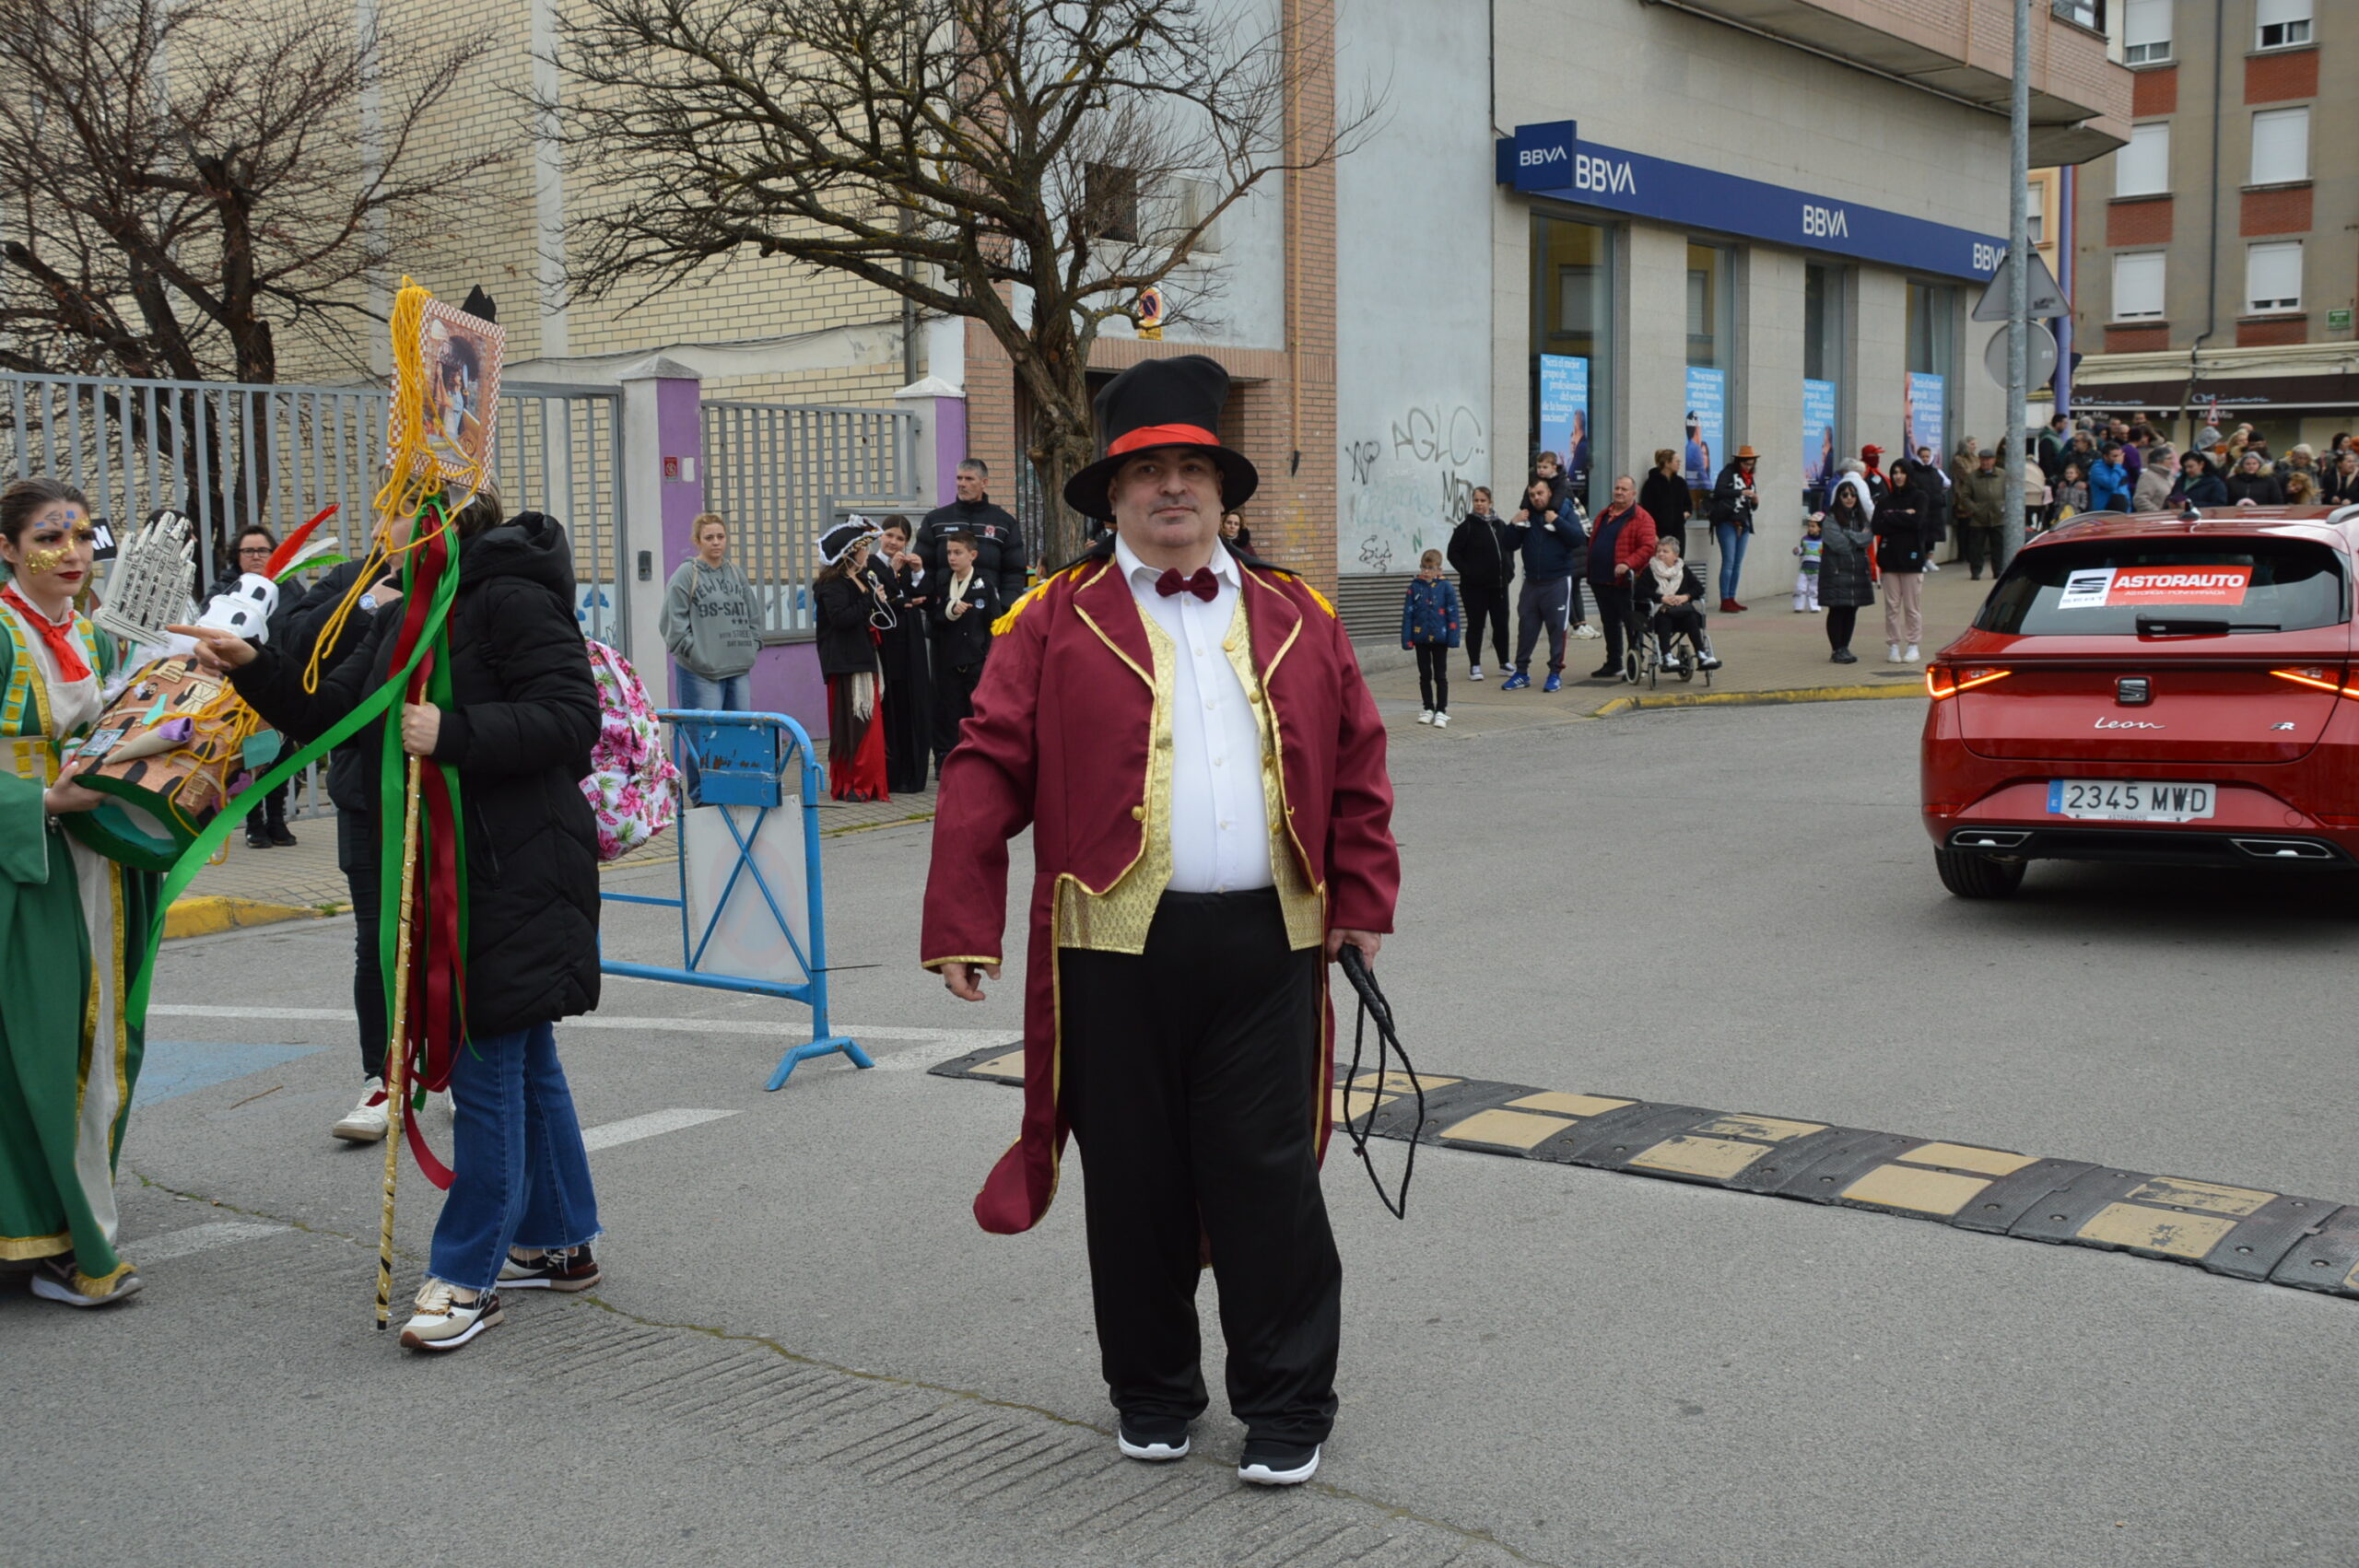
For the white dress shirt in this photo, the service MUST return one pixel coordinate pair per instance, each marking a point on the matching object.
(1220, 831)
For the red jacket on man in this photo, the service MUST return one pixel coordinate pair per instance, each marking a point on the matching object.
(1060, 741)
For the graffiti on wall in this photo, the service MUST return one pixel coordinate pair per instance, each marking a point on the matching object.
(1406, 490)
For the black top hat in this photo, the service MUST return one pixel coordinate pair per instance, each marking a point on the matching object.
(1161, 403)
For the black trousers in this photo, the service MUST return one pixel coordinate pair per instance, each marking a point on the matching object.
(954, 703)
(1615, 616)
(1840, 619)
(1486, 601)
(1191, 1084)
(1542, 602)
(1980, 546)
(1433, 676)
(356, 856)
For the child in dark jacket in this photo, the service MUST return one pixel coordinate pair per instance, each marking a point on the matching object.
(961, 613)
(1430, 624)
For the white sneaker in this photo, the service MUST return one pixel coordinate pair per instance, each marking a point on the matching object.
(1441, 720)
(443, 1322)
(1933, 566)
(1424, 715)
(1912, 656)
(1585, 629)
(1474, 673)
(365, 1123)
(1892, 653)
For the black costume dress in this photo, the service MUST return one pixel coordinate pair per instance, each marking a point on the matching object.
(909, 683)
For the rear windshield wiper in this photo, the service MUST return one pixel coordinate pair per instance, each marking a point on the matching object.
(2198, 626)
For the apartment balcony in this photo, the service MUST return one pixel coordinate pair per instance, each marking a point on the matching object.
(2079, 100)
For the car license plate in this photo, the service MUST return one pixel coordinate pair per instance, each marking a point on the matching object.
(2130, 799)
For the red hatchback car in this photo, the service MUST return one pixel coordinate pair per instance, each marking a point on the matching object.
(2170, 688)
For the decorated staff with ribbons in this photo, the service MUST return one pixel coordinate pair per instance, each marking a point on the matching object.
(73, 923)
(490, 914)
(1188, 735)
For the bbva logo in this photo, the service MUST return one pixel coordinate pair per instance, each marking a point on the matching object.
(1533, 158)
(1826, 223)
(1592, 174)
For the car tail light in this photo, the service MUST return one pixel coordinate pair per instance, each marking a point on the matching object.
(2317, 676)
(1940, 682)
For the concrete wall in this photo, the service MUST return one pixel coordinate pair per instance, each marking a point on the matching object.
(1413, 420)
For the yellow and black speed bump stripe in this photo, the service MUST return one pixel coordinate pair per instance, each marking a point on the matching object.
(2243, 1233)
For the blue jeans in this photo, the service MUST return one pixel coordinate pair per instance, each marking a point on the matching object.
(1730, 540)
(522, 1178)
(726, 695)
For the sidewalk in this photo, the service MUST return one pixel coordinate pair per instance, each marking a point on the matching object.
(1765, 653)
(258, 886)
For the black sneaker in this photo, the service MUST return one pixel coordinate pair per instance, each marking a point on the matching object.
(1158, 1440)
(257, 837)
(279, 838)
(572, 1270)
(1605, 672)
(1843, 656)
(1267, 1462)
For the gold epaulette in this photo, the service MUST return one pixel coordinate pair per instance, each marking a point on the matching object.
(1304, 584)
(1000, 627)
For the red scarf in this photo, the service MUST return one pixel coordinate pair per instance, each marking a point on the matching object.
(62, 644)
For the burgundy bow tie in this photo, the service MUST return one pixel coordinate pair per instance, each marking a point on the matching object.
(1204, 585)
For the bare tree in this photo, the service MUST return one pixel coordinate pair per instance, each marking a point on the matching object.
(182, 179)
(1032, 164)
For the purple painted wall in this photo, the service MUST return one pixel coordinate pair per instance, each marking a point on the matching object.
(680, 434)
(786, 680)
(949, 446)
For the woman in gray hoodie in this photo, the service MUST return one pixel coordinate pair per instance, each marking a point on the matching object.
(711, 622)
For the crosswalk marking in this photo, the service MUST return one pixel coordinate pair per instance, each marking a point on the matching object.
(786, 1027)
(630, 1128)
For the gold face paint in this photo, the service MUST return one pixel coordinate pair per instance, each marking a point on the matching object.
(41, 563)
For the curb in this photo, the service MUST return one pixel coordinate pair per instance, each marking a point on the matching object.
(1755, 699)
(210, 916)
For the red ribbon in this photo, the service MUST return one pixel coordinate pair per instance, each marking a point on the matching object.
(61, 639)
(1161, 436)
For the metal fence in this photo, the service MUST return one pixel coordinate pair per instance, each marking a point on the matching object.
(781, 472)
(231, 455)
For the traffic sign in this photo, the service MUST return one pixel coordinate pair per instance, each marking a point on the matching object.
(2039, 355)
(2047, 300)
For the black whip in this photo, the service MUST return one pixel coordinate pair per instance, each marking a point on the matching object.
(1388, 1043)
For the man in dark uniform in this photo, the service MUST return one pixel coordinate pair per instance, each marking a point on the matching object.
(999, 541)
(1186, 732)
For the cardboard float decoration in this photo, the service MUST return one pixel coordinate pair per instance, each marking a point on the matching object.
(177, 741)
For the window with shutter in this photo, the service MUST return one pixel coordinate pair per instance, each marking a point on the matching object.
(2144, 167)
(2138, 285)
(2146, 31)
(2282, 22)
(2280, 145)
(2273, 276)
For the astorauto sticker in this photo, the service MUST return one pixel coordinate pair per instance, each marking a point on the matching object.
(2098, 588)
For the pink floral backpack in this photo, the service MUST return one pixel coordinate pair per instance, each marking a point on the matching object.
(629, 786)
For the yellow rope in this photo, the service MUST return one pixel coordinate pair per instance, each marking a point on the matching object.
(415, 470)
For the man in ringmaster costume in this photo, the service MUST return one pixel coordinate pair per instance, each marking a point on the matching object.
(1187, 733)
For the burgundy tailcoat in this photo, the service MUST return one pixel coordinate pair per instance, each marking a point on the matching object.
(1060, 741)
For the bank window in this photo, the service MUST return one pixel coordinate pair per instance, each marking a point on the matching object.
(2273, 276)
(2283, 22)
(2138, 285)
(2280, 145)
(1826, 288)
(1572, 344)
(1933, 352)
(2144, 167)
(2146, 32)
(1711, 305)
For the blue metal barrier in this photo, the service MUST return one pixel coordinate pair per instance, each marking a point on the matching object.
(741, 760)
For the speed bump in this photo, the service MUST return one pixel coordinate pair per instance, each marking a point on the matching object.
(2235, 1231)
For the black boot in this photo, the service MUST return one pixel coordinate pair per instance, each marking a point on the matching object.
(275, 828)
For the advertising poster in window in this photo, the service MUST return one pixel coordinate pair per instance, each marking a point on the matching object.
(1818, 435)
(1926, 412)
(1707, 397)
(1564, 414)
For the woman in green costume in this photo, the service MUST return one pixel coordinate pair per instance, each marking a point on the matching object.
(73, 925)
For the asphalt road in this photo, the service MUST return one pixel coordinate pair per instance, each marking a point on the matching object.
(805, 1351)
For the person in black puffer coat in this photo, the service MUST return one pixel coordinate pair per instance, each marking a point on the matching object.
(2253, 482)
(523, 718)
(1901, 524)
